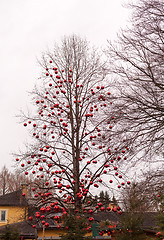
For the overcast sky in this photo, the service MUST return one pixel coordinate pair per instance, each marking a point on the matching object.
(27, 28)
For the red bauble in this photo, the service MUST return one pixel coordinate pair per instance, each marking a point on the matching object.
(46, 224)
(108, 208)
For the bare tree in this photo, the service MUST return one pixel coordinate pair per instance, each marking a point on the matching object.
(152, 186)
(135, 203)
(70, 153)
(10, 180)
(5, 177)
(143, 197)
(137, 66)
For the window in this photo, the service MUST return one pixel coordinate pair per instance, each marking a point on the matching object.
(3, 216)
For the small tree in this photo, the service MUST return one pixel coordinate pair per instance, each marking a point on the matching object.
(10, 234)
(104, 198)
(130, 221)
(76, 227)
(160, 218)
(10, 180)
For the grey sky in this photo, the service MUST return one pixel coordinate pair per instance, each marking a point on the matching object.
(27, 28)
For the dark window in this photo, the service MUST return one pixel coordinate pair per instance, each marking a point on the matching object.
(3, 215)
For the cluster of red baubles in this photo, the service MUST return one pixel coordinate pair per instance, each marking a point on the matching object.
(57, 115)
(86, 149)
(42, 214)
(101, 233)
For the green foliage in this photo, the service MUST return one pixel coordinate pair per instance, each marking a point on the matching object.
(130, 223)
(161, 222)
(10, 234)
(104, 198)
(126, 235)
(131, 220)
(160, 218)
(104, 225)
(75, 226)
(95, 200)
(114, 200)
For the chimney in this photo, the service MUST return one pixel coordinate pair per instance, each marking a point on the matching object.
(24, 189)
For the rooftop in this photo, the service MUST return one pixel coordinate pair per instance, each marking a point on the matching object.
(13, 199)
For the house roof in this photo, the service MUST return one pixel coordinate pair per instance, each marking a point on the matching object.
(149, 219)
(13, 199)
(103, 216)
(24, 228)
(52, 224)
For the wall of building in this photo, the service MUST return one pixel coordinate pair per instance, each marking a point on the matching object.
(13, 214)
(54, 233)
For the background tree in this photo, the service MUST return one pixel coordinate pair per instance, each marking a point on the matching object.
(160, 218)
(130, 222)
(146, 191)
(10, 233)
(10, 181)
(76, 227)
(101, 196)
(104, 198)
(153, 183)
(5, 183)
(136, 64)
(70, 154)
(142, 197)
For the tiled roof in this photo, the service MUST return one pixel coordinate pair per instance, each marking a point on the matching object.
(13, 199)
(27, 230)
(23, 228)
(52, 224)
(149, 219)
(103, 216)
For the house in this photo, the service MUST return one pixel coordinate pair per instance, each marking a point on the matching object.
(14, 210)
